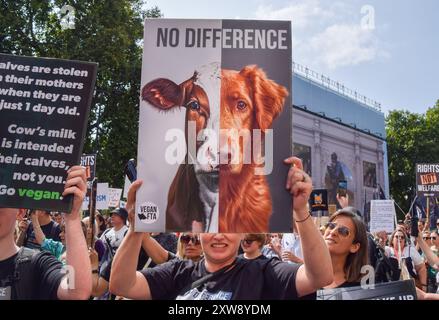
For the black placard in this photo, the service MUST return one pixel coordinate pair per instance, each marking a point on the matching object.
(397, 290)
(318, 200)
(427, 179)
(44, 107)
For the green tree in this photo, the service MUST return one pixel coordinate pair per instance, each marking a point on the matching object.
(108, 32)
(411, 138)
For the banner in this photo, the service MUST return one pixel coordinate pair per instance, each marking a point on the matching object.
(126, 187)
(89, 162)
(397, 290)
(427, 180)
(215, 126)
(102, 197)
(114, 197)
(382, 216)
(318, 200)
(44, 107)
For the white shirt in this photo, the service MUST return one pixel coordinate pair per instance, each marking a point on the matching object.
(291, 242)
(114, 237)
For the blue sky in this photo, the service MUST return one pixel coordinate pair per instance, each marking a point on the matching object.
(389, 52)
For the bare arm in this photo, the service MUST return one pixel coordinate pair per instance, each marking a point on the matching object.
(125, 280)
(316, 272)
(39, 234)
(23, 225)
(426, 296)
(154, 250)
(77, 252)
(429, 254)
(288, 255)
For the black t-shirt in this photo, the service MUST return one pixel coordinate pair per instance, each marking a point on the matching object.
(50, 230)
(259, 279)
(44, 277)
(260, 257)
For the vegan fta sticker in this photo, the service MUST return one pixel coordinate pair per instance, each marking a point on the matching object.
(148, 213)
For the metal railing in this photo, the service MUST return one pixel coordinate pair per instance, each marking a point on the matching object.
(335, 86)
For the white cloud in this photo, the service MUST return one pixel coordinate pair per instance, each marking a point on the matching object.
(343, 45)
(327, 35)
(302, 14)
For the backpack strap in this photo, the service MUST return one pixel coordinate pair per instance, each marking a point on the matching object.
(210, 276)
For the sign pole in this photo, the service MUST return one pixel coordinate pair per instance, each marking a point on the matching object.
(92, 209)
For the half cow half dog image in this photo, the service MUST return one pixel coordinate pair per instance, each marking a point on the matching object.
(218, 185)
(215, 126)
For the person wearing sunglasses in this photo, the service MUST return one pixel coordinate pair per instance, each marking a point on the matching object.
(252, 245)
(401, 250)
(220, 274)
(189, 247)
(433, 263)
(346, 239)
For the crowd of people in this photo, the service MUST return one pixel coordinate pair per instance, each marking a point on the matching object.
(46, 255)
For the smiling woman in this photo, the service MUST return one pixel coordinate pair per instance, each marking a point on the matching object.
(346, 239)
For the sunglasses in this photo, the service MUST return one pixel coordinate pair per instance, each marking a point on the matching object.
(248, 242)
(433, 238)
(400, 237)
(342, 230)
(426, 238)
(186, 239)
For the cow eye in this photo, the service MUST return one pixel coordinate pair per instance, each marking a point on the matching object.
(241, 105)
(194, 105)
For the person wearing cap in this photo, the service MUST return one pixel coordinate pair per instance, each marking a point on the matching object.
(114, 236)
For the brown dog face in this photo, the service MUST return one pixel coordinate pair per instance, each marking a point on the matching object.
(249, 100)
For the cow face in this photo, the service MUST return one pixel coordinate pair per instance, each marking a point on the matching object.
(200, 96)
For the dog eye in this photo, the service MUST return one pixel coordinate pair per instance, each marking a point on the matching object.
(241, 105)
(194, 105)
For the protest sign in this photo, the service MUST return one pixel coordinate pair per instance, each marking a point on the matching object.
(44, 107)
(215, 126)
(427, 180)
(318, 200)
(114, 197)
(397, 290)
(89, 162)
(382, 215)
(126, 187)
(102, 197)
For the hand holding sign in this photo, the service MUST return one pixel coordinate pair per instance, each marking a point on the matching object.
(131, 202)
(300, 186)
(76, 185)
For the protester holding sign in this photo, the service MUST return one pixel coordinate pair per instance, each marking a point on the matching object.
(406, 254)
(430, 255)
(41, 276)
(226, 276)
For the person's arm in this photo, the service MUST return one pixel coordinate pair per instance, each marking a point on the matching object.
(77, 252)
(154, 250)
(100, 285)
(429, 254)
(125, 280)
(22, 226)
(426, 296)
(343, 200)
(316, 272)
(39, 234)
(288, 255)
